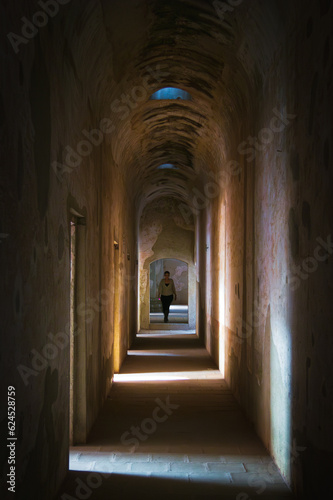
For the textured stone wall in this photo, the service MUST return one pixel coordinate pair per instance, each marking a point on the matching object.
(278, 265)
(46, 103)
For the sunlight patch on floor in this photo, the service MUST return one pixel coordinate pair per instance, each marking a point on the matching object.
(157, 376)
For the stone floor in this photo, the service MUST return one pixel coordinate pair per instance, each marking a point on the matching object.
(177, 314)
(191, 440)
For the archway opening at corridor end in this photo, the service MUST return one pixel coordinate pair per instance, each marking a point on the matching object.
(166, 243)
(179, 274)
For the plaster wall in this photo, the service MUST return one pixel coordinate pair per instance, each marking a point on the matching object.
(278, 311)
(47, 87)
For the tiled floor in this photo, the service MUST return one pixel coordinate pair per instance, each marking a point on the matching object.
(192, 440)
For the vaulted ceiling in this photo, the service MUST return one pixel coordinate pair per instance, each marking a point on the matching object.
(219, 56)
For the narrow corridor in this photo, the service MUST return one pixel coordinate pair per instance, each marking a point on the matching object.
(182, 138)
(192, 439)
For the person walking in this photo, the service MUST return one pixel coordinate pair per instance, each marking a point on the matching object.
(166, 291)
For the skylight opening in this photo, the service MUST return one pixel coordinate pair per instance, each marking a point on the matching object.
(171, 93)
(167, 166)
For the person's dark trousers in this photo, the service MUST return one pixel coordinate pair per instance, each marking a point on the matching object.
(166, 301)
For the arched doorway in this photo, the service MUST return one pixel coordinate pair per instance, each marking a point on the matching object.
(179, 273)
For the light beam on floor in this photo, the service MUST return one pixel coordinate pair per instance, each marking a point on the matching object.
(165, 376)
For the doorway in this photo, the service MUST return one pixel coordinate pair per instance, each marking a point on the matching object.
(179, 273)
(78, 355)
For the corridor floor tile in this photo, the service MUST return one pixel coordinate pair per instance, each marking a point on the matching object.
(185, 438)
